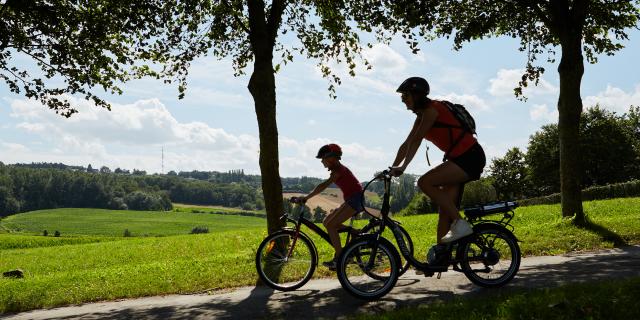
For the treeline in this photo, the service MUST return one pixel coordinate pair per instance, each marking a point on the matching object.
(25, 188)
(302, 184)
(609, 148)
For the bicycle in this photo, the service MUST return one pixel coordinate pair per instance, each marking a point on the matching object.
(287, 259)
(490, 257)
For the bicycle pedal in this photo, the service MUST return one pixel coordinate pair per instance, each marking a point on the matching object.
(439, 275)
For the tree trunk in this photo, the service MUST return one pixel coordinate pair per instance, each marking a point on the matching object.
(571, 69)
(263, 89)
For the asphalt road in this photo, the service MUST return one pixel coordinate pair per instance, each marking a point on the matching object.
(326, 299)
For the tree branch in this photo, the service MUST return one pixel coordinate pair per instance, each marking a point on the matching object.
(275, 18)
(233, 13)
(539, 12)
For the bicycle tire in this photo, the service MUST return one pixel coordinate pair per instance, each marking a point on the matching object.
(404, 265)
(493, 251)
(356, 267)
(283, 273)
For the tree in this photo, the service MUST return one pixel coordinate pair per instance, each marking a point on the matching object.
(509, 175)
(403, 192)
(318, 214)
(76, 46)
(608, 152)
(596, 27)
(105, 169)
(248, 31)
(543, 160)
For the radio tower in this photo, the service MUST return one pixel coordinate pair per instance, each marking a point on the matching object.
(162, 172)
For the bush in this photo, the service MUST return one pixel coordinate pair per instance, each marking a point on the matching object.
(420, 204)
(117, 203)
(127, 233)
(197, 230)
(139, 200)
(56, 234)
(616, 190)
(477, 192)
(45, 233)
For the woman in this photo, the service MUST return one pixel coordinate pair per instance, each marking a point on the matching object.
(464, 162)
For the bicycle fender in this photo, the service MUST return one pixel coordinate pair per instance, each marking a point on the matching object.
(371, 238)
(493, 224)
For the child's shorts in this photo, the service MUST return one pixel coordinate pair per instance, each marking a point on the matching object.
(356, 201)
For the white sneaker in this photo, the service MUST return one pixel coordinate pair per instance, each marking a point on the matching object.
(460, 228)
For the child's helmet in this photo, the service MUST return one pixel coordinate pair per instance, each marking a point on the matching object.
(329, 150)
(415, 85)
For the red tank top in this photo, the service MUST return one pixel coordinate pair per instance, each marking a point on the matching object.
(347, 182)
(443, 138)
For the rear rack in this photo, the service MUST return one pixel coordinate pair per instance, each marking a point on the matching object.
(490, 208)
(475, 214)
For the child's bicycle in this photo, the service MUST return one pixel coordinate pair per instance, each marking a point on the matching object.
(490, 257)
(286, 259)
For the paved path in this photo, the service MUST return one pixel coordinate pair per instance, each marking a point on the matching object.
(326, 299)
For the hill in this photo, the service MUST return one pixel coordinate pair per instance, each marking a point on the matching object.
(330, 199)
(112, 223)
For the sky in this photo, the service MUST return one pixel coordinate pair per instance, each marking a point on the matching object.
(214, 128)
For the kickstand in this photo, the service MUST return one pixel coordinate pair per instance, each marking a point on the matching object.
(439, 275)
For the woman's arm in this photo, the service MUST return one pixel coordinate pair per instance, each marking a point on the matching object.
(402, 151)
(415, 138)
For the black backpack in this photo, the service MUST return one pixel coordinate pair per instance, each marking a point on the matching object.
(467, 124)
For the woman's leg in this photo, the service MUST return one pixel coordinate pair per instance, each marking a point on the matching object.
(442, 185)
(334, 221)
(444, 221)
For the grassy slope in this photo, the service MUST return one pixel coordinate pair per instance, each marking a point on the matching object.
(113, 222)
(114, 267)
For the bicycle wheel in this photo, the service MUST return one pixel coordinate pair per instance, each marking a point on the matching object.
(367, 273)
(491, 258)
(281, 267)
(404, 263)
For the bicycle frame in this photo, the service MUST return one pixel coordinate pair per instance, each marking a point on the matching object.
(301, 220)
(404, 250)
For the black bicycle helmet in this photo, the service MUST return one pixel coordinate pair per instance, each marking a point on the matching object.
(329, 150)
(414, 85)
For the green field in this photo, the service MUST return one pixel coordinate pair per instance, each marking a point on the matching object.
(179, 207)
(102, 222)
(92, 261)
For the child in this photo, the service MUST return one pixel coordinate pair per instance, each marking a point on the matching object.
(351, 190)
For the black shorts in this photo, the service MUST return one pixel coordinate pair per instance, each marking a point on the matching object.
(471, 161)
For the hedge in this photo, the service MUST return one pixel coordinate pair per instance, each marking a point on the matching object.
(616, 190)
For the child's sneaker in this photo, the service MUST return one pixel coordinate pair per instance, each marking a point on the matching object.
(460, 228)
(330, 264)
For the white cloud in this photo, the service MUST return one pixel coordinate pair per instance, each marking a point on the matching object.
(131, 136)
(614, 99)
(9, 148)
(471, 102)
(384, 59)
(540, 112)
(507, 79)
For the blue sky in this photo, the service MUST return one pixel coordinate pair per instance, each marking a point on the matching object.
(214, 127)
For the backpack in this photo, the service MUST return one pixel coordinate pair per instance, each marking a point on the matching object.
(467, 124)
